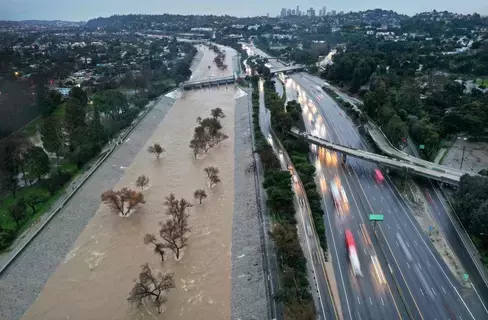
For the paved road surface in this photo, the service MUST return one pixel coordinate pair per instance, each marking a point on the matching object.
(429, 288)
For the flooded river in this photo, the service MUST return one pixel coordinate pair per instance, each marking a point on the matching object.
(95, 278)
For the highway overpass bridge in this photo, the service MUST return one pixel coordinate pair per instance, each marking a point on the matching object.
(208, 82)
(429, 170)
(387, 148)
(288, 69)
(217, 81)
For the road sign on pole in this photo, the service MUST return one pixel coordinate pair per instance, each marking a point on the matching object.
(422, 147)
(465, 277)
(376, 217)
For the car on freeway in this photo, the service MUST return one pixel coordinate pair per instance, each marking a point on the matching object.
(343, 195)
(378, 176)
(335, 195)
(353, 255)
(309, 230)
(270, 139)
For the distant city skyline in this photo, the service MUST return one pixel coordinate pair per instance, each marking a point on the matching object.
(310, 12)
(71, 10)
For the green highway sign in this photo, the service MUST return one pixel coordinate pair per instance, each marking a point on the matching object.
(422, 147)
(376, 217)
(465, 277)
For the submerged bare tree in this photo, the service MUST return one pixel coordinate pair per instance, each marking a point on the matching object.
(174, 231)
(156, 149)
(122, 201)
(200, 194)
(212, 175)
(150, 288)
(175, 239)
(217, 113)
(207, 134)
(158, 246)
(142, 181)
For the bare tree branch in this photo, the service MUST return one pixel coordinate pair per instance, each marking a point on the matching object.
(122, 201)
(151, 288)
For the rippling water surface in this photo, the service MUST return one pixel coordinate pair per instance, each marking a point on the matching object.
(95, 278)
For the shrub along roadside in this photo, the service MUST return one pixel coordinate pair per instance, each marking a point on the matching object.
(294, 286)
(298, 149)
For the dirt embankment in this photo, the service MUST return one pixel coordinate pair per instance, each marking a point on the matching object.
(470, 156)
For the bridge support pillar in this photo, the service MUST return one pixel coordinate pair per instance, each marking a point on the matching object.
(343, 158)
(405, 180)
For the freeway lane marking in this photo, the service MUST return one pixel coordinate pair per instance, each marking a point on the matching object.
(464, 242)
(337, 256)
(387, 244)
(310, 251)
(428, 249)
(371, 301)
(360, 216)
(382, 302)
(358, 300)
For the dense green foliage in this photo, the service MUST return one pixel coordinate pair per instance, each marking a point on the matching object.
(74, 132)
(471, 206)
(294, 285)
(401, 100)
(282, 119)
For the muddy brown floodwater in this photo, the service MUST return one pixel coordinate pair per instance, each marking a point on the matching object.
(95, 278)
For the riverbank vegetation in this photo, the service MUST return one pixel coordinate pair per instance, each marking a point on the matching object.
(294, 290)
(69, 137)
(297, 149)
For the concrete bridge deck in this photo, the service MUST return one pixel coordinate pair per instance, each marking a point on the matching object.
(432, 171)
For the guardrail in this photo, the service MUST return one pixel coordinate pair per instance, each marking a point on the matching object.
(412, 159)
(75, 190)
(391, 162)
(263, 234)
(209, 81)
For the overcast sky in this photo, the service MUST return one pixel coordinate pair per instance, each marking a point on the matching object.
(82, 10)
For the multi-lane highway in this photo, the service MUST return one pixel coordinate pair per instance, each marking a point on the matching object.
(424, 283)
(427, 286)
(363, 297)
(456, 237)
